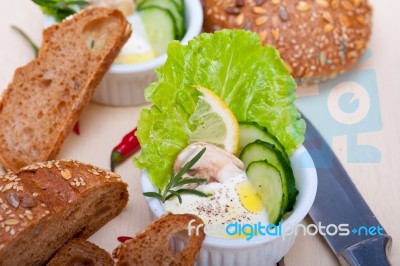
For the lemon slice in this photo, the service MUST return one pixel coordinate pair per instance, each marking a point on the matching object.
(214, 121)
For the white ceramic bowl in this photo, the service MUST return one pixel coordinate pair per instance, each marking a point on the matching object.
(260, 250)
(124, 84)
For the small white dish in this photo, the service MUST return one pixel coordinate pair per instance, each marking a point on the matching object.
(260, 250)
(124, 84)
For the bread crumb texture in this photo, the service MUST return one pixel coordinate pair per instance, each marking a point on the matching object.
(81, 252)
(41, 204)
(46, 97)
(152, 245)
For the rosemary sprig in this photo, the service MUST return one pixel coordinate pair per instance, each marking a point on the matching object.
(35, 48)
(176, 181)
(60, 9)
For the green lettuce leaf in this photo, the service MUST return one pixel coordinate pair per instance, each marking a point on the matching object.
(251, 79)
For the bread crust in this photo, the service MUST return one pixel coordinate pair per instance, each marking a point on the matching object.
(81, 252)
(152, 245)
(46, 97)
(50, 203)
(317, 39)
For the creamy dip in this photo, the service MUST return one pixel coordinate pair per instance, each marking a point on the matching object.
(234, 200)
(137, 49)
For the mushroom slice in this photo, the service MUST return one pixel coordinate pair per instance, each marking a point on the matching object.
(216, 164)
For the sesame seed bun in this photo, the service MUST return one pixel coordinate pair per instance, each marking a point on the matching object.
(317, 39)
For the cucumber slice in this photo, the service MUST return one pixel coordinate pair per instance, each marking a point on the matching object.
(267, 183)
(159, 26)
(260, 150)
(179, 4)
(169, 6)
(250, 131)
(139, 2)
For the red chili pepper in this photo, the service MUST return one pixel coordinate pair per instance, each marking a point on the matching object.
(128, 146)
(123, 239)
(76, 129)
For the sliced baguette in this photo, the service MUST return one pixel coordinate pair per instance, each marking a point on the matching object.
(151, 246)
(80, 252)
(45, 205)
(46, 97)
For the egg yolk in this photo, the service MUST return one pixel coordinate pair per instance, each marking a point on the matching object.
(248, 197)
(135, 58)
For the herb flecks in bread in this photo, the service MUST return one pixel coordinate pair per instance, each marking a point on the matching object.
(317, 39)
(46, 97)
(57, 207)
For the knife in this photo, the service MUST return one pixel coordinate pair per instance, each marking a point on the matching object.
(339, 202)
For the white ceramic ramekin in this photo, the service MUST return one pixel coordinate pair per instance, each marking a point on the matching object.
(260, 250)
(124, 84)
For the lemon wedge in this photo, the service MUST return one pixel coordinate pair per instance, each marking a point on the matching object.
(214, 121)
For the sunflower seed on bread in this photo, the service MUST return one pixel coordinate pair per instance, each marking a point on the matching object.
(60, 209)
(317, 39)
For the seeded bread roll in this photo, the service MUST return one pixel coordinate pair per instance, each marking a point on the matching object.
(79, 252)
(44, 205)
(46, 97)
(318, 39)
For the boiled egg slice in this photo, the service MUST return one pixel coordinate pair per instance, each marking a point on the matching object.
(137, 49)
(248, 197)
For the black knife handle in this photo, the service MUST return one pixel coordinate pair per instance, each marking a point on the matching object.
(371, 252)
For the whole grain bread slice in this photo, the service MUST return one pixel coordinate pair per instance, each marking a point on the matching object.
(80, 252)
(44, 205)
(152, 246)
(46, 97)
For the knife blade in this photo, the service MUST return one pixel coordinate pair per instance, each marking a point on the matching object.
(338, 204)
